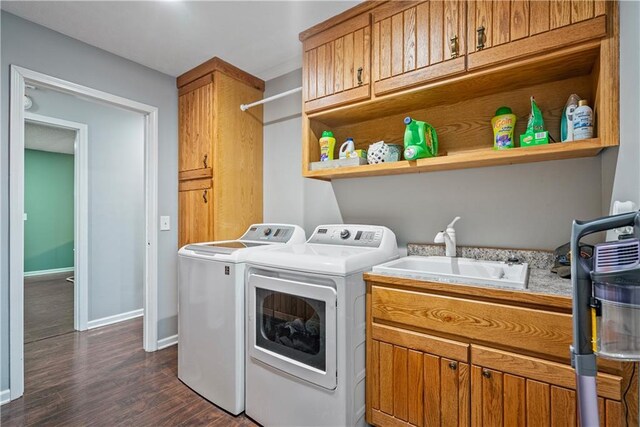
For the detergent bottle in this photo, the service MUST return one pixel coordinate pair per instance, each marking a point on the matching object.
(420, 140)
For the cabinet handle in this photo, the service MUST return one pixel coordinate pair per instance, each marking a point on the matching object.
(453, 365)
(481, 38)
(204, 196)
(486, 373)
(204, 160)
(360, 76)
(453, 46)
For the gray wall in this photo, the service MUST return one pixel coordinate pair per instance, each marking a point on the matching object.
(37, 48)
(116, 199)
(518, 206)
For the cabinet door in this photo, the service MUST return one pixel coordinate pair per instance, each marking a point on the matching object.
(195, 124)
(514, 390)
(501, 30)
(336, 68)
(422, 388)
(195, 216)
(415, 42)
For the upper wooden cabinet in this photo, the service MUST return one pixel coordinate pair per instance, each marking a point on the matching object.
(502, 30)
(195, 127)
(415, 42)
(337, 64)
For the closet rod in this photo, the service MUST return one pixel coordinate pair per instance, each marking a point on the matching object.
(245, 107)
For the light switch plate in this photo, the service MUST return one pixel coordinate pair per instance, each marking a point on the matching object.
(24, 216)
(165, 223)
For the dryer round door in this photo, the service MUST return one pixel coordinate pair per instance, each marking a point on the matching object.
(292, 327)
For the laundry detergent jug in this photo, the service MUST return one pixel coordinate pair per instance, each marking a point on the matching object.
(420, 140)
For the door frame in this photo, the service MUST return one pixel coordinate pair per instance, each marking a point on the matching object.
(80, 214)
(19, 77)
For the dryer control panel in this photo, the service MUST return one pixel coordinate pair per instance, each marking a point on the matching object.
(349, 235)
(276, 233)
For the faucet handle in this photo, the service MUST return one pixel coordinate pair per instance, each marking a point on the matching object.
(453, 222)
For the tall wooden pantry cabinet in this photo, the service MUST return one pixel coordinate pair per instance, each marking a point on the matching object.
(220, 152)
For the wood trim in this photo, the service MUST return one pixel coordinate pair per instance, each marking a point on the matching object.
(196, 184)
(189, 87)
(379, 418)
(341, 98)
(195, 174)
(422, 342)
(419, 76)
(609, 386)
(528, 299)
(338, 19)
(595, 28)
(338, 31)
(217, 64)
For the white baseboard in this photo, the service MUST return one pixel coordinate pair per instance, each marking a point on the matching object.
(167, 342)
(45, 272)
(5, 396)
(92, 324)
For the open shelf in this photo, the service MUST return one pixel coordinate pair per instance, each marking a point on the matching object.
(460, 108)
(469, 159)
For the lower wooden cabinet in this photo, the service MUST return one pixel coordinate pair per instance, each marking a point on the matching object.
(419, 376)
(196, 211)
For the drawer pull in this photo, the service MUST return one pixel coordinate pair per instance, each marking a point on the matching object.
(204, 196)
(486, 373)
(360, 76)
(453, 46)
(453, 365)
(481, 38)
(204, 160)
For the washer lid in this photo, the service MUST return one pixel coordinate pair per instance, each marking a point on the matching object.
(227, 247)
(321, 258)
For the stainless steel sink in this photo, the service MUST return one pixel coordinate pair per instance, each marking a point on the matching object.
(458, 270)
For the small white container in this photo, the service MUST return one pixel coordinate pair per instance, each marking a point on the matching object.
(582, 121)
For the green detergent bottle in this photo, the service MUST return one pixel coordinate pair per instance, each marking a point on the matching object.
(420, 140)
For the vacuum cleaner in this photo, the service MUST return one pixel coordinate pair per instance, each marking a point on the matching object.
(606, 304)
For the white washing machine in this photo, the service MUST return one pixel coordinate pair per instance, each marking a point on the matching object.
(211, 311)
(306, 327)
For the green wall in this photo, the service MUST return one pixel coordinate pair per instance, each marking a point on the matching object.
(48, 202)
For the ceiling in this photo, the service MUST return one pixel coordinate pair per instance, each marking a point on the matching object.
(48, 138)
(260, 37)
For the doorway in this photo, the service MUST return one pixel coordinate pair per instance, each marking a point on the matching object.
(19, 78)
(55, 222)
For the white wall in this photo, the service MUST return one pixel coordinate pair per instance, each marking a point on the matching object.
(518, 206)
(116, 199)
(40, 49)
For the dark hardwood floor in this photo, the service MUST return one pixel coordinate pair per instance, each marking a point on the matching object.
(103, 377)
(48, 307)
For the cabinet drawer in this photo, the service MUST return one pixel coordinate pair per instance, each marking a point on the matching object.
(539, 332)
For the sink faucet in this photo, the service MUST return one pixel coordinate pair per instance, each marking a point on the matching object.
(448, 237)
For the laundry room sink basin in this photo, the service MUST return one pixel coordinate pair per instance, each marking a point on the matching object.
(458, 271)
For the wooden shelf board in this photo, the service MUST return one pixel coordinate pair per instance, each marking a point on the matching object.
(568, 63)
(468, 159)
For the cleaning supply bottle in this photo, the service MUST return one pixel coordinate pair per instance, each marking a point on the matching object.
(503, 124)
(327, 145)
(582, 121)
(566, 122)
(420, 140)
(346, 149)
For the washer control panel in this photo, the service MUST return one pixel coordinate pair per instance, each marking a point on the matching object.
(269, 233)
(348, 235)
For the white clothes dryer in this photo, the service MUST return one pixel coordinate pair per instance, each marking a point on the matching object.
(306, 327)
(211, 311)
